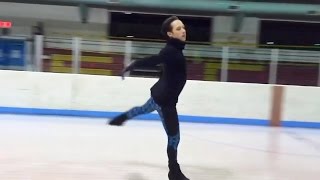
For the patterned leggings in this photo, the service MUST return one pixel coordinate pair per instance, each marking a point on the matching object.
(169, 118)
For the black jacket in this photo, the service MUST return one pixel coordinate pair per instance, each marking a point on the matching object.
(173, 77)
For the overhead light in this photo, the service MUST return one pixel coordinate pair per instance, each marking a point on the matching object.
(234, 8)
(128, 12)
(317, 44)
(313, 13)
(270, 43)
(113, 1)
(130, 36)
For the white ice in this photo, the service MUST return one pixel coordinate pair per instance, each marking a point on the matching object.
(70, 148)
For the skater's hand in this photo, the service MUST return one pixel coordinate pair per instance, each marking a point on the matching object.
(123, 73)
(127, 69)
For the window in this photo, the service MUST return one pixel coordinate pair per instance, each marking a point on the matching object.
(288, 34)
(146, 26)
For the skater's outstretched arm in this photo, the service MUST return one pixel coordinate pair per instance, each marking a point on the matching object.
(148, 61)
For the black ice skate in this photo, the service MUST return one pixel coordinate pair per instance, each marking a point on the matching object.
(175, 173)
(119, 120)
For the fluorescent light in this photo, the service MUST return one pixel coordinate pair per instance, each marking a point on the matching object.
(317, 44)
(127, 12)
(270, 43)
(130, 36)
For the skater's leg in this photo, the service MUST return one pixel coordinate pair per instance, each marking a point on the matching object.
(170, 122)
(148, 107)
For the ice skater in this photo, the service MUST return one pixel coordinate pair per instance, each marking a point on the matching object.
(165, 93)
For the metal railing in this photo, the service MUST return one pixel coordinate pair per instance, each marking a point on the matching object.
(131, 50)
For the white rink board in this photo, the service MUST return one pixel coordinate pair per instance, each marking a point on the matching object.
(243, 101)
(110, 93)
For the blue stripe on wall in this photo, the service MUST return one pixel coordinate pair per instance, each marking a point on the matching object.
(299, 124)
(154, 117)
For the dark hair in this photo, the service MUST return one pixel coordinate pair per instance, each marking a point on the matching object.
(166, 26)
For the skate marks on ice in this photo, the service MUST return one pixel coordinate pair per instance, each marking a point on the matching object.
(136, 176)
(191, 171)
(307, 141)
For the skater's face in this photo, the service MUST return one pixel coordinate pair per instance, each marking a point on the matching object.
(178, 30)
